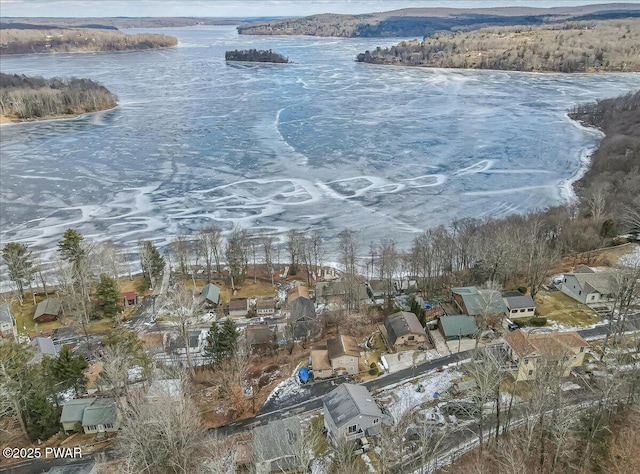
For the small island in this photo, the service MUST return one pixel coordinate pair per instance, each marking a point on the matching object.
(29, 39)
(586, 46)
(255, 55)
(25, 98)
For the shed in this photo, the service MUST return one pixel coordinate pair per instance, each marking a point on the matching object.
(453, 327)
(48, 310)
(210, 295)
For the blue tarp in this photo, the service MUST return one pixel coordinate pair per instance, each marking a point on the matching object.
(303, 373)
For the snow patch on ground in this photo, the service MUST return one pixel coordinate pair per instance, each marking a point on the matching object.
(368, 462)
(632, 259)
(405, 397)
(285, 388)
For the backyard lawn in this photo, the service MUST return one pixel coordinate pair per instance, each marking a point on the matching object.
(556, 306)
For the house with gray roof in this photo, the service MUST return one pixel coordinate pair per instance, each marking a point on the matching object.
(44, 347)
(48, 310)
(302, 317)
(403, 329)
(73, 411)
(7, 322)
(276, 446)
(588, 286)
(101, 416)
(457, 326)
(350, 413)
(519, 305)
(210, 295)
(260, 337)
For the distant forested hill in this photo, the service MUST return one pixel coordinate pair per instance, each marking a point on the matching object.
(30, 98)
(421, 22)
(58, 40)
(612, 45)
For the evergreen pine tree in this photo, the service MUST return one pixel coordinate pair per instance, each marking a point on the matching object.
(68, 369)
(228, 340)
(107, 292)
(212, 349)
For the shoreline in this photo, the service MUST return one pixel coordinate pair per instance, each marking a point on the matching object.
(567, 186)
(4, 122)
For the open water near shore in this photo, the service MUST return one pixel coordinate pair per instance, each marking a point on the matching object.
(322, 143)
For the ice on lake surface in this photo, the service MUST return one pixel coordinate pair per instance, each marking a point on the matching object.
(322, 143)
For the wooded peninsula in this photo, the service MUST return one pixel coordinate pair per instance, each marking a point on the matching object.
(255, 55)
(612, 45)
(34, 98)
(60, 40)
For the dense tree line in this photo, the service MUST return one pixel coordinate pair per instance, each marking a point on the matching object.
(611, 45)
(28, 98)
(15, 41)
(255, 55)
(611, 186)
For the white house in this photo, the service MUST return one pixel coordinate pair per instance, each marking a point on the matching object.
(588, 286)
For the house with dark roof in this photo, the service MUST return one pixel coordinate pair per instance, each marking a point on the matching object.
(350, 413)
(101, 416)
(457, 326)
(588, 286)
(261, 338)
(265, 307)
(276, 446)
(302, 317)
(238, 307)
(7, 322)
(519, 305)
(533, 352)
(403, 329)
(48, 310)
(210, 296)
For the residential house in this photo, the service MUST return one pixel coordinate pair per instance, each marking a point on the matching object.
(588, 286)
(457, 326)
(48, 310)
(129, 298)
(210, 296)
(276, 446)
(75, 468)
(101, 416)
(152, 342)
(340, 356)
(196, 340)
(72, 413)
(403, 329)
(336, 292)
(344, 354)
(261, 338)
(265, 307)
(297, 292)
(238, 307)
(532, 352)
(44, 347)
(518, 305)
(302, 317)
(350, 413)
(320, 363)
(378, 290)
(7, 322)
(479, 303)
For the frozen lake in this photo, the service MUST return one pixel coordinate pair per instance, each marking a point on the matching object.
(323, 143)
